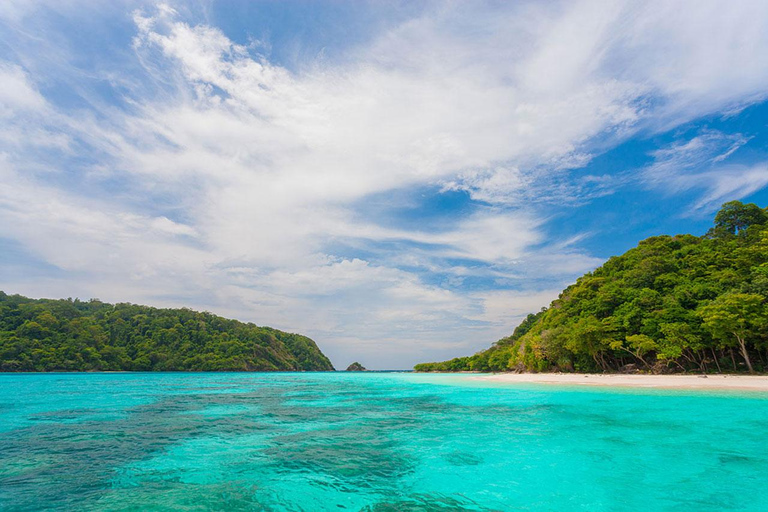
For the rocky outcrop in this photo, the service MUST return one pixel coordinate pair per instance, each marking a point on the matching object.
(356, 367)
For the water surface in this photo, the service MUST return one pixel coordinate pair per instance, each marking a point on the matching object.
(372, 442)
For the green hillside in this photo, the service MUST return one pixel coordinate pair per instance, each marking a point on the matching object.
(72, 335)
(673, 303)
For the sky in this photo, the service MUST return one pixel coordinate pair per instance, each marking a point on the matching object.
(400, 181)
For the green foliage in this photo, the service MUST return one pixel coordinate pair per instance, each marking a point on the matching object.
(735, 216)
(73, 335)
(736, 319)
(681, 303)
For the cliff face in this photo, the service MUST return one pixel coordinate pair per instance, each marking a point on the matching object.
(73, 335)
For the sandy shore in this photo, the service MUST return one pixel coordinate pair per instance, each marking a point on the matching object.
(714, 382)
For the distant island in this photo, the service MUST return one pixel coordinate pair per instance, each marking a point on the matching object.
(672, 304)
(356, 367)
(72, 335)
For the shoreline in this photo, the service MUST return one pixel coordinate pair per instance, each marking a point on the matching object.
(674, 381)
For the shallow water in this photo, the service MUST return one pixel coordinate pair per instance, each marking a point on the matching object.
(373, 442)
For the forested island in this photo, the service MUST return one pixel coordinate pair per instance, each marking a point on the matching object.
(72, 335)
(672, 304)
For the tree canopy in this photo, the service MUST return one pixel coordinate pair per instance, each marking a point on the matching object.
(735, 216)
(673, 303)
(75, 335)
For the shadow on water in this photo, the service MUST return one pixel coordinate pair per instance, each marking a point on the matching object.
(73, 463)
(428, 503)
(308, 443)
(67, 460)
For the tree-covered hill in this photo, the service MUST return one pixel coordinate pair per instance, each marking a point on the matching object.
(73, 335)
(673, 303)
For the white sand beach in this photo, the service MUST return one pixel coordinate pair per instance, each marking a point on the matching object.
(714, 382)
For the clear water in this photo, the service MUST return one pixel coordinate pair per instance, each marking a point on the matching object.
(373, 442)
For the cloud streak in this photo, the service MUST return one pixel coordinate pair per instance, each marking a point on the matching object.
(219, 179)
(698, 164)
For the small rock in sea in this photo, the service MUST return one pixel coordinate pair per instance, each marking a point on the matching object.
(356, 367)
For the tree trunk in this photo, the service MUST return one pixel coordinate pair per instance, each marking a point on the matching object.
(744, 353)
(636, 355)
(604, 364)
(645, 363)
(733, 359)
(716, 361)
(689, 355)
(702, 363)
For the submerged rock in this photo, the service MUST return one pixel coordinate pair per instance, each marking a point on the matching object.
(356, 367)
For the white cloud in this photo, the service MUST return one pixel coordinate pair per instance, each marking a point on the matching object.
(730, 182)
(700, 56)
(697, 165)
(683, 157)
(17, 93)
(237, 177)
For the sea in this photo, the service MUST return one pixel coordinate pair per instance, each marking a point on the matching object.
(372, 442)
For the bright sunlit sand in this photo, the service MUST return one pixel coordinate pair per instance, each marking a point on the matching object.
(210, 208)
(714, 382)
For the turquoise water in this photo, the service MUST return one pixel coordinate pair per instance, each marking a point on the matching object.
(373, 442)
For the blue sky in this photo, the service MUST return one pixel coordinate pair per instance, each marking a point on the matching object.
(402, 181)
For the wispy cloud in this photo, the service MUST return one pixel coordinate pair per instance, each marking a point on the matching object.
(698, 164)
(210, 176)
(730, 182)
